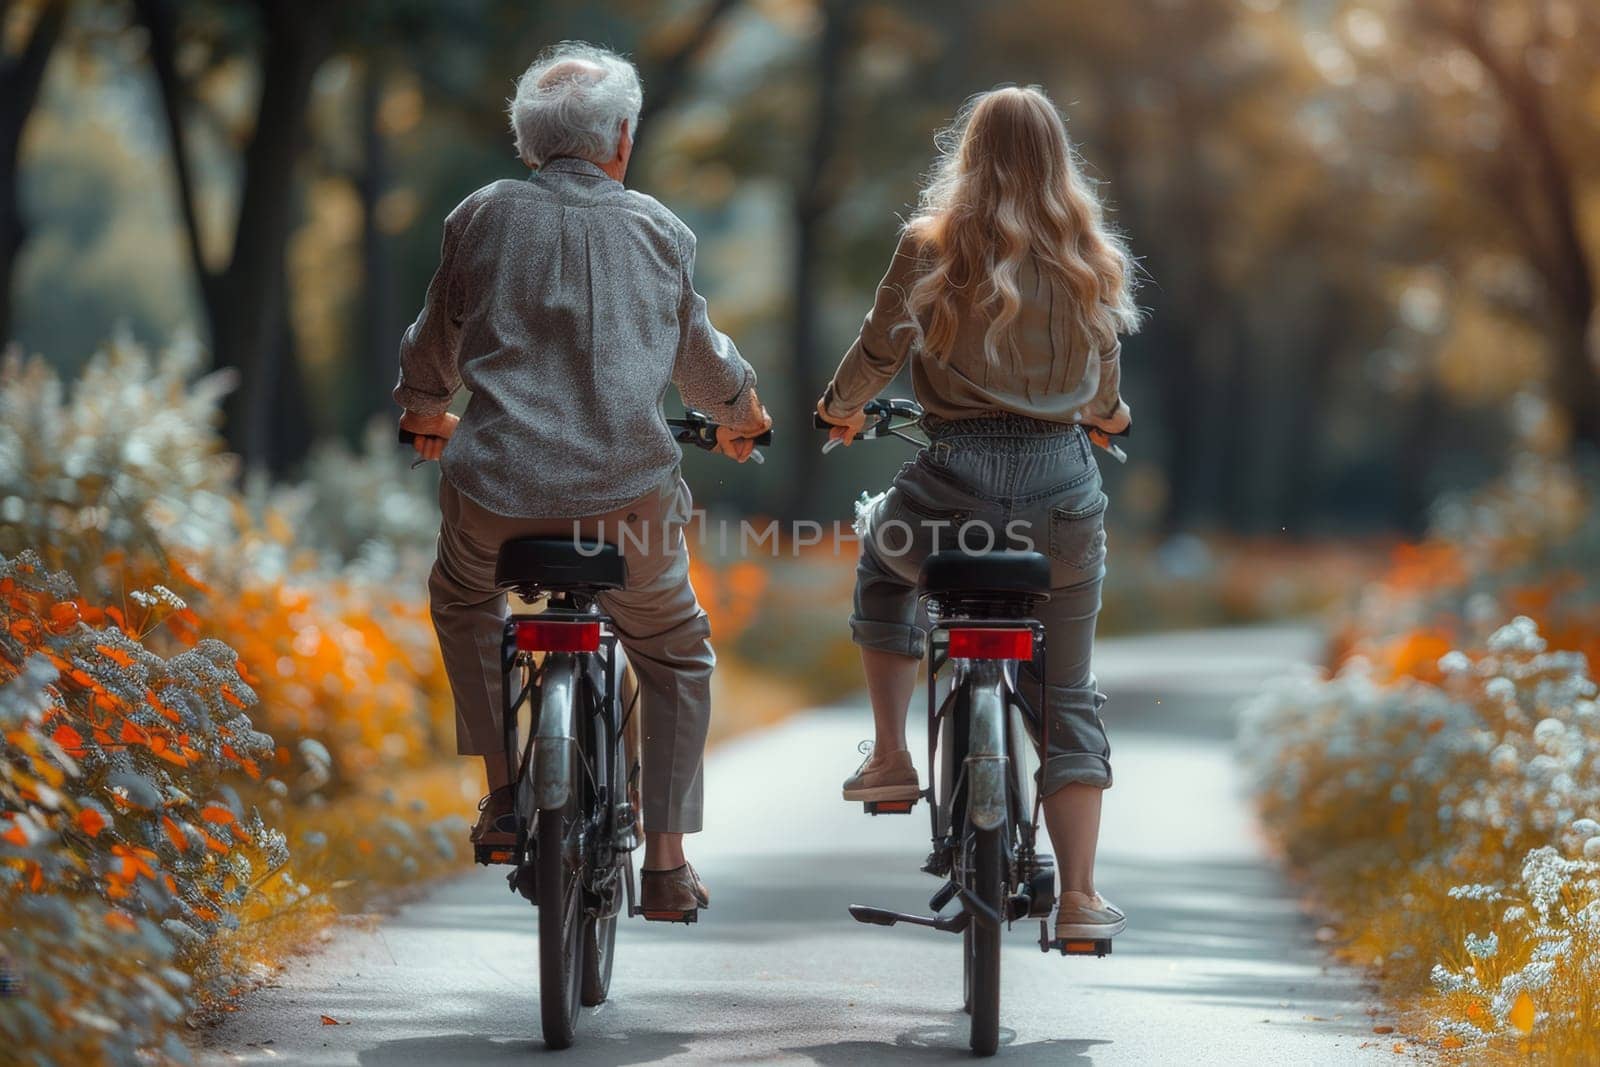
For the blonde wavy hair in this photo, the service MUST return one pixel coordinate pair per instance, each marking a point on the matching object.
(1007, 185)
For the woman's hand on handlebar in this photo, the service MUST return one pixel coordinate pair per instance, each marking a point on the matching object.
(842, 430)
(1113, 424)
(432, 431)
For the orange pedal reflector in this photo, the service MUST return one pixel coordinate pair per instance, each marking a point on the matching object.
(670, 916)
(1078, 947)
(888, 807)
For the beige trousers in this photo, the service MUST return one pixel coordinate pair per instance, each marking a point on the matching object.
(659, 621)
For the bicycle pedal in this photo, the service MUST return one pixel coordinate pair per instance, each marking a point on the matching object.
(653, 916)
(889, 807)
(490, 855)
(1072, 946)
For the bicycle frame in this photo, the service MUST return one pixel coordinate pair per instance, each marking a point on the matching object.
(574, 690)
(991, 768)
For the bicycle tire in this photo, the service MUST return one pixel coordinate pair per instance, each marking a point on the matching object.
(987, 851)
(562, 916)
(599, 953)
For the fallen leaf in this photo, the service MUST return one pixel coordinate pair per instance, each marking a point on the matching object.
(1383, 1029)
(328, 1020)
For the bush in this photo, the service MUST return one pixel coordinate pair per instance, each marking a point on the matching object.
(139, 885)
(124, 847)
(1442, 790)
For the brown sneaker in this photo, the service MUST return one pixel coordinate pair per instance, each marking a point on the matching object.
(889, 777)
(672, 895)
(497, 824)
(1088, 918)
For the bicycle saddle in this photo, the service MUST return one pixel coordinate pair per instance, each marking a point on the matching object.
(1025, 573)
(559, 563)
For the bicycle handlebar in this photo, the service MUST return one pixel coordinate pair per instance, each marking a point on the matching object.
(882, 413)
(695, 428)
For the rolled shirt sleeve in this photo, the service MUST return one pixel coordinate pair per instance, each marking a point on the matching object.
(881, 349)
(430, 351)
(1108, 396)
(710, 374)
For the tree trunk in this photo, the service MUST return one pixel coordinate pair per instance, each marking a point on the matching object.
(244, 302)
(20, 79)
(1556, 248)
(814, 198)
(380, 335)
(250, 293)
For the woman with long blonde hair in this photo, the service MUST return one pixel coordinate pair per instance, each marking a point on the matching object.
(1007, 295)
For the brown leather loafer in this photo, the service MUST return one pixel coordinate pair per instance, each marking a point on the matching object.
(497, 825)
(672, 895)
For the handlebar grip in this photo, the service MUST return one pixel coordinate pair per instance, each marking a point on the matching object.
(407, 437)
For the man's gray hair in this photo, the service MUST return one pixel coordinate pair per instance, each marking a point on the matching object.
(573, 101)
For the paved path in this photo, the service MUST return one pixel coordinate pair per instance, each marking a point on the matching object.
(1217, 965)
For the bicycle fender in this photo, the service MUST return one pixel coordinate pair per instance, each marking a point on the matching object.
(987, 762)
(555, 738)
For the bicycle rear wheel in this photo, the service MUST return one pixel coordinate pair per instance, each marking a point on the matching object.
(986, 853)
(599, 945)
(561, 919)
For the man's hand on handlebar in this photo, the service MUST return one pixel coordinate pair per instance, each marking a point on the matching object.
(431, 432)
(738, 442)
(842, 430)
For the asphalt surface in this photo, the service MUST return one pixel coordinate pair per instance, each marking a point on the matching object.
(1218, 964)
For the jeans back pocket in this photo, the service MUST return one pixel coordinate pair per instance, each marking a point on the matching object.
(1078, 533)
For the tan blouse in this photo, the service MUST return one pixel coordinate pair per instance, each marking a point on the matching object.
(1050, 374)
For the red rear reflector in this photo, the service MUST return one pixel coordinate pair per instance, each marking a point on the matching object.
(537, 636)
(991, 644)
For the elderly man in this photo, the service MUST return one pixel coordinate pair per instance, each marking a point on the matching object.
(566, 305)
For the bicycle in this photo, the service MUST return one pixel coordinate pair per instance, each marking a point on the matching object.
(984, 828)
(573, 758)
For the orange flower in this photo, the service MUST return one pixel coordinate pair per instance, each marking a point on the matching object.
(63, 616)
(216, 813)
(115, 655)
(91, 822)
(70, 740)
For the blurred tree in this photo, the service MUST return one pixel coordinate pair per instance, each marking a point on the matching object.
(1536, 65)
(29, 33)
(245, 297)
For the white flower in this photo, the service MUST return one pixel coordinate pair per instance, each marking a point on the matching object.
(1483, 948)
(1505, 759)
(1549, 733)
(1501, 688)
(1454, 662)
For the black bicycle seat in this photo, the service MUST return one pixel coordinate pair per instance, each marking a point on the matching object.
(1024, 573)
(559, 563)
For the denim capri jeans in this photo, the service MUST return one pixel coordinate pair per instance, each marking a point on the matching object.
(999, 482)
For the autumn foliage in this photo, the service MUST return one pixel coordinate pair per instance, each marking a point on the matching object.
(125, 846)
(221, 711)
(1442, 788)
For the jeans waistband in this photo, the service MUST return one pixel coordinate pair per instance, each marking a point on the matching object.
(1000, 424)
